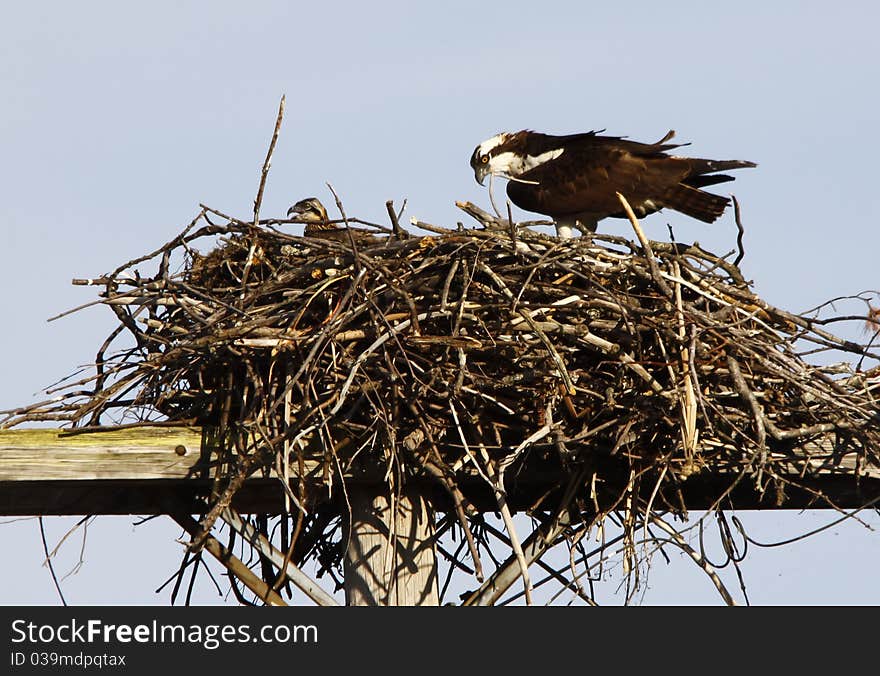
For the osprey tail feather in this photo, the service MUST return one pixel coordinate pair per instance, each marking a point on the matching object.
(696, 203)
(701, 166)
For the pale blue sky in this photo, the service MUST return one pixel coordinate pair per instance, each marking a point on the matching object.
(117, 120)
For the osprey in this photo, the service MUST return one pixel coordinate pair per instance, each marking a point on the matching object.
(574, 179)
(318, 226)
(311, 212)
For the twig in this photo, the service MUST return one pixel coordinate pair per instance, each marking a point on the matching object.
(351, 241)
(699, 560)
(268, 162)
(492, 195)
(399, 232)
(740, 231)
(749, 396)
(285, 568)
(501, 498)
(48, 561)
(646, 245)
(232, 563)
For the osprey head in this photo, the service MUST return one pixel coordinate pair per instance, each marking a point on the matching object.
(511, 155)
(309, 210)
(488, 157)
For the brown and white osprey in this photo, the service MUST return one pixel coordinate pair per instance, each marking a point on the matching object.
(574, 179)
(311, 212)
(318, 225)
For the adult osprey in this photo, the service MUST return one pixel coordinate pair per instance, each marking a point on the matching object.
(574, 179)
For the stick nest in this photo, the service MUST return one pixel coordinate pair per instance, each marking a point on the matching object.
(474, 356)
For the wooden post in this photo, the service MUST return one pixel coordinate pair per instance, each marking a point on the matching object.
(391, 558)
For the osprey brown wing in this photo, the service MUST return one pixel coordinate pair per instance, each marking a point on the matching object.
(585, 180)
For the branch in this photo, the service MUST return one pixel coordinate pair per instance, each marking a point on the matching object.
(646, 245)
(290, 571)
(740, 231)
(268, 162)
(699, 560)
(231, 562)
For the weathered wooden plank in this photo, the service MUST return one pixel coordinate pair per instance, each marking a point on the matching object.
(161, 452)
(132, 453)
(71, 498)
(140, 470)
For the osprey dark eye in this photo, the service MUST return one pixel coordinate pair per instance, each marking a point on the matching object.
(485, 159)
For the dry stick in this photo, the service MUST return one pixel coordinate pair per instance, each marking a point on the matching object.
(650, 504)
(231, 562)
(259, 200)
(48, 561)
(286, 397)
(740, 229)
(646, 245)
(501, 499)
(495, 478)
(533, 547)
(99, 301)
(492, 195)
(743, 389)
(447, 283)
(399, 232)
(466, 446)
(699, 560)
(436, 469)
(553, 573)
(267, 163)
(512, 226)
(689, 432)
(630, 563)
(525, 314)
(226, 217)
(246, 466)
(415, 222)
(354, 249)
(757, 412)
(285, 568)
(483, 217)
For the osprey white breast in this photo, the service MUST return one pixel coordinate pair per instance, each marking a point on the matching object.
(509, 164)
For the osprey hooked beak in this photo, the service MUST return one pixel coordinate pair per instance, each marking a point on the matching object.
(482, 155)
(480, 173)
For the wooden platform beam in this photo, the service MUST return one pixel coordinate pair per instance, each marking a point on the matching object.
(137, 471)
(390, 557)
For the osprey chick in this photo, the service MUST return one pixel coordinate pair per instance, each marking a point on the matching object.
(311, 212)
(574, 179)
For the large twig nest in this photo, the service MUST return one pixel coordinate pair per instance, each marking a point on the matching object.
(470, 352)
